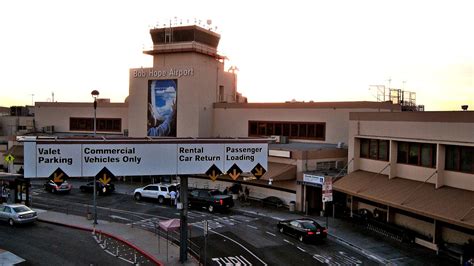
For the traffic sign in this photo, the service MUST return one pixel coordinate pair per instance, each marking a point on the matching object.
(105, 176)
(58, 176)
(213, 172)
(206, 227)
(9, 158)
(258, 171)
(327, 190)
(234, 171)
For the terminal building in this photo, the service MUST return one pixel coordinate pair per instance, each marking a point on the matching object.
(188, 93)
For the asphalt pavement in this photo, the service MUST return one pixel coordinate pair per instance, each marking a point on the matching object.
(166, 253)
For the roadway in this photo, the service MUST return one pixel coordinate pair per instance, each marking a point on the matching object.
(234, 237)
(47, 244)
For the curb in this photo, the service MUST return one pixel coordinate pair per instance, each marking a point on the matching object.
(144, 253)
(359, 249)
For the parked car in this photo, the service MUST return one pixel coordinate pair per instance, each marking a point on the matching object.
(272, 201)
(210, 199)
(17, 214)
(53, 187)
(303, 229)
(155, 191)
(101, 188)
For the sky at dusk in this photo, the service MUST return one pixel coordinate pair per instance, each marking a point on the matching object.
(284, 50)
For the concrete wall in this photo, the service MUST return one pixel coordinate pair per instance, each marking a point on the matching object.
(233, 122)
(9, 125)
(58, 114)
(255, 192)
(454, 236)
(419, 226)
(440, 128)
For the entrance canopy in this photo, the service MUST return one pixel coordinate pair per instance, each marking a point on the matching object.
(170, 225)
(446, 204)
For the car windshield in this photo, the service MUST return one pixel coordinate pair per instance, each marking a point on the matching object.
(309, 225)
(21, 209)
(215, 192)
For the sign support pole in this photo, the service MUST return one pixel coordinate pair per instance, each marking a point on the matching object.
(183, 194)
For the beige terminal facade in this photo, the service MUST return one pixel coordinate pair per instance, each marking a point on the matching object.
(415, 169)
(189, 93)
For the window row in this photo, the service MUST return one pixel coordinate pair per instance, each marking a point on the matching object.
(460, 158)
(457, 158)
(295, 130)
(421, 154)
(102, 124)
(376, 149)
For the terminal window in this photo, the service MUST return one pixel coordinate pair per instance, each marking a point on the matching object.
(460, 158)
(420, 154)
(293, 130)
(375, 149)
(102, 124)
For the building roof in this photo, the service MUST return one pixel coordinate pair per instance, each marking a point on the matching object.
(447, 204)
(280, 172)
(301, 146)
(313, 105)
(436, 116)
(80, 104)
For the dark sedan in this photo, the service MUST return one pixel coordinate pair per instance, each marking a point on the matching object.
(303, 229)
(101, 188)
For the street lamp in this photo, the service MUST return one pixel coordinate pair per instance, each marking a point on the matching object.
(95, 94)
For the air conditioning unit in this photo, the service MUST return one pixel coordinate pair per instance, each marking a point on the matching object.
(276, 138)
(283, 139)
(48, 129)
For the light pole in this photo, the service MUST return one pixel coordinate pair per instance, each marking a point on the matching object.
(94, 94)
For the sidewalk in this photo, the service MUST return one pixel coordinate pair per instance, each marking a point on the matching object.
(143, 240)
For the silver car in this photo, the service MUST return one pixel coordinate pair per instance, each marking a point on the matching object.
(17, 214)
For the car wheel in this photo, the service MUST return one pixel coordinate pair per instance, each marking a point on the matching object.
(161, 199)
(11, 222)
(282, 230)
(52, 190)
(301, 239)
(210, 208)
(138, 196)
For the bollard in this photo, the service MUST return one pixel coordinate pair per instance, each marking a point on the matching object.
(117, 251)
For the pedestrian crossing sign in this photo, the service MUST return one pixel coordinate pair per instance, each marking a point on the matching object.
(9, 158)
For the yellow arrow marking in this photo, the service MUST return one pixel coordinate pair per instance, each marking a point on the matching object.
(234, 175)
(58, 178)
(105, 180)
(213, 176)
(258, 171)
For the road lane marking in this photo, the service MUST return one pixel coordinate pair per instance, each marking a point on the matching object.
(246, 249)
(272, 234)
(251, 226)
(300, 249)
(119, 217)
(289, 242)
